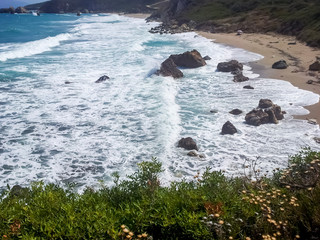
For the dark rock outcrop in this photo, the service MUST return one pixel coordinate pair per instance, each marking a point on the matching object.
(228, 128)
(188, 143)
(207, 58)
(188, 59)
(248, 87)
(315, 66)
(282, 64)
(267, 112)
(240, 78)
(230, 66)
(102, 79)
(169, 68)
(235, 111)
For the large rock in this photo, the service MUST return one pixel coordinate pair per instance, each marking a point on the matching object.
(282, 64)
(267, 112)
(315, 66)
(240, 78)
(169, 68)
(228, 128)
(188, 59)
(230, 66)
(188, 143)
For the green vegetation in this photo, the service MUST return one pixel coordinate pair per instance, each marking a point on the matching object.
(300, 18)
(213, 206)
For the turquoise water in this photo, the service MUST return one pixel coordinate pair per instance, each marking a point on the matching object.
(82, 132)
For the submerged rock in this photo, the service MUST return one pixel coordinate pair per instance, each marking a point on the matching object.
(102, 79)
(193, 153)
(248, 87)
(207, 58)
(228, 128)
(282, 64)
(188, 143)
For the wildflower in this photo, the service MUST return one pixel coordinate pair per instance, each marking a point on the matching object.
(230, 238)
(221, 222)
(123, 226)
(310, 189)
(217, 215)
(128, 236)
(244, 192)
(125, 230)
(139, 236)
(247, 238)
(282, 209)
(131, 234)
(144, 235)
(288, 187)
(279, 233)
(297, 236)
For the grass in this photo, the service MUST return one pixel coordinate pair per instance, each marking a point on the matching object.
(212, 206)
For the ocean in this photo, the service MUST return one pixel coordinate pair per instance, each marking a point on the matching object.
(82, 132)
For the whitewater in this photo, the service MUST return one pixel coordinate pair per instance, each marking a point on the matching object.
(58, 125)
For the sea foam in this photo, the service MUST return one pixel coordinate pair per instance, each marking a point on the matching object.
(82, 131)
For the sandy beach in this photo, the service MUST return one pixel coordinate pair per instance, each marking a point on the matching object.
(275, 47)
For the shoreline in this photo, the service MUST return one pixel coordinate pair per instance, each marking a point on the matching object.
(275, 47)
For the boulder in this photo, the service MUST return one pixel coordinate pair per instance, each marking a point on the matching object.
(315, 66)
(230, 66)
(248, 87)
(169, 68)
(257, 117)
(21, 10)
(207, 58)
(188, 143)
(267, 112)
(240, 78)
(228, 128)
(265, 103)
(188, 59)
(102, 79)
(282, 64)
(235, 111)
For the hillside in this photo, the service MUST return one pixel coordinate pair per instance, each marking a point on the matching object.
(300, 18)
(56, 6)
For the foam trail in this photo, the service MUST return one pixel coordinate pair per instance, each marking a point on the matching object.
(33, 48)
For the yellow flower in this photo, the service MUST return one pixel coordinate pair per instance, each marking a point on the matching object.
(131, 234)
(221, 222)
(247, 238)
(125, 230)
(144, 235)
(217, 215)
(297, 236)
(123, 226)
